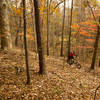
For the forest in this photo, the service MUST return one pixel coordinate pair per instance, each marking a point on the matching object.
(49, 50)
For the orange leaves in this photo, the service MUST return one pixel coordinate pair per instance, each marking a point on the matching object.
(84, 23)
(85, 33)
(82, 28)
(90, 40)
(92, 29)
(75, 26)
(30, 37)
(88, 22)
(83, 47)
(94, 26)
(87, 28)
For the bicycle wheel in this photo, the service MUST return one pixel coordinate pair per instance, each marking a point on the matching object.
(78, 65)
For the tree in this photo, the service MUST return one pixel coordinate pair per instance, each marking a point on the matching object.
(95, 46)
(33, 25)
(18, 28)
(25, 43)
(47, 27)
(70, 28)
(38, 35)
(4, 27)
(61, 53)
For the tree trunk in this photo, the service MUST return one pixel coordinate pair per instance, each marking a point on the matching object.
(33, 26)
(61, 53)
(99, 62)
(17, 31)
(39, 40)
(95, 47)
(25, 43)
(4, 27)
(69, 44)
(48, 28)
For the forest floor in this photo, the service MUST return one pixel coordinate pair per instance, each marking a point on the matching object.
(62, 82)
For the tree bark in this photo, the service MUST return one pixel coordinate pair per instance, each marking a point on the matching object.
(17, 31)
(4, 27)
(33, 26)
(25, 43)
(39, 39)
(69, 44)
(95, 47)
(61, 52)
(47, 27)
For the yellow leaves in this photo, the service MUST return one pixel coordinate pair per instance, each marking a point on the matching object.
(85, 4)
(73, 33)
(52, 8)
(59, 39)
(29, 30)
(41, 10)
(42, 6)
(28, 36)
(18, 11)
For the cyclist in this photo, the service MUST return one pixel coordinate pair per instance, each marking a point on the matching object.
(71, 57)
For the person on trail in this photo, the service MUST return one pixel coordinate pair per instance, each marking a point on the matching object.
(70, 59)
(71, 55)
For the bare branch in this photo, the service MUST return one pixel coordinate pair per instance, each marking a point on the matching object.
(96, 92)
(57, 6)
(92, 12)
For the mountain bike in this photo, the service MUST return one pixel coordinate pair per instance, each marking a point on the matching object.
(75, 62)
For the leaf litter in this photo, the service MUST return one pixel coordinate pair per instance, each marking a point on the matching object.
(61, 82)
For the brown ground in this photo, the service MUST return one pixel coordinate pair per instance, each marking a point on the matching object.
(62, 82)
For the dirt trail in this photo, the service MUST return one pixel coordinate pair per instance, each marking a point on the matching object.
(62, 82)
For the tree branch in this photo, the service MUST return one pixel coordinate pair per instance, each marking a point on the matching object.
(92, 12)
(96, 92)
(57, 6)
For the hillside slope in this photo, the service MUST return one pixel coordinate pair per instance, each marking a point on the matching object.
(62, 82)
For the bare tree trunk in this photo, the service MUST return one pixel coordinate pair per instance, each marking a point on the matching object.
(4, 27)
(39, 40)
(69, 44)
(48, 28)
(61, 53)
(25, 43)
(35, 44)
(18, 29)
(95, 47)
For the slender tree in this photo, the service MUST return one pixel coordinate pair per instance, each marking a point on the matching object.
(18, 28)
(39, 39)
(95, 47)
(48, 28)
(61, 53)
(17, 31)
(69, 44)
(33, 25)
(25, 43)
(4, 27)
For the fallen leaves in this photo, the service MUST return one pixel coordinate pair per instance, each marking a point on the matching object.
(60, 83)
